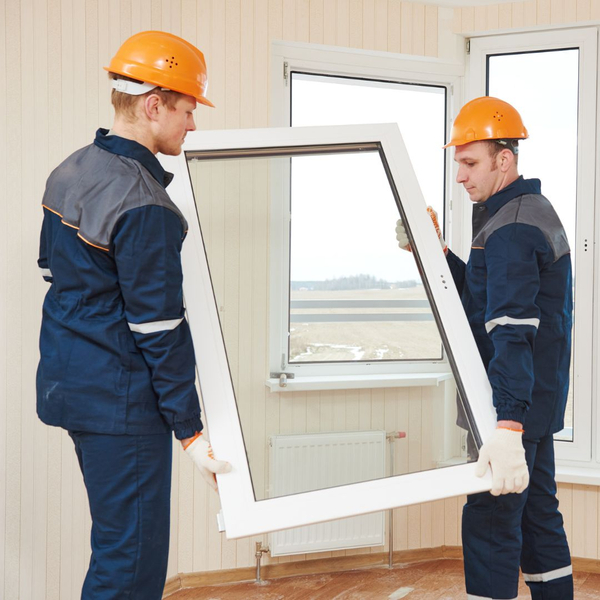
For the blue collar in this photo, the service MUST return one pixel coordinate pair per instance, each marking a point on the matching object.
(131, 149)
(519, 187)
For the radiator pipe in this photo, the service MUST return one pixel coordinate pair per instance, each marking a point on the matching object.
(392, 437)
(259, 552)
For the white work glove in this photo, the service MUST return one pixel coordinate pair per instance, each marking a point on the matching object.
(200, 451)
(505, 454)
(402, 236)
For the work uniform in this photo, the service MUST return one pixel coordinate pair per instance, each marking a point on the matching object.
(517, 293)
(117, 366)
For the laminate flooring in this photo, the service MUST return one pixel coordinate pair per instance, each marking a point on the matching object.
(430, 580)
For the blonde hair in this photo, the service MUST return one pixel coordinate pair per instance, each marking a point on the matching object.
(124, 104)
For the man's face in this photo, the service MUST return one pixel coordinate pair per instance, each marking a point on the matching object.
(478, 171)
(174, 125)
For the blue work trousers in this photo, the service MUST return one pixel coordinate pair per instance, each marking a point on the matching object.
(501, 533)
(128, 481)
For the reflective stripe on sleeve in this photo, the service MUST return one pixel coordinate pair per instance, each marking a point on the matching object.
(550, 575)
(154, 326)
(510, 321)
(46, 272)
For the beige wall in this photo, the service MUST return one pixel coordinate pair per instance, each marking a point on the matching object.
(53, 95)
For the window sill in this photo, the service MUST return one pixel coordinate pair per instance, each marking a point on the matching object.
(353, 382)
(578, 475)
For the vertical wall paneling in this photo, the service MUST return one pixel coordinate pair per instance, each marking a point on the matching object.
(393, 26)
(368, 25)
(569, 12)
(579, 521)
(356, 39)
(431, 30)
(406, 28)
(595, 9)
(480, 13)
(380, 25)
(28, 257)
(504, 16)
(543, 12)
(557, 11)
(316, 24)
(418, 29)
(492, 16)
(342, 23)
(302, 20)
(468, 19)
(14, 299)
(583, 10)
(329, 23)
(4, 311)
(517, 14)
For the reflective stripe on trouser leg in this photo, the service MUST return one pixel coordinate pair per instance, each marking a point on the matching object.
(471, 597)
(128, 480)
(545, 558)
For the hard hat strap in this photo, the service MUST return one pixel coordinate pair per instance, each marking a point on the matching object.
(511, 144)
(133, 88)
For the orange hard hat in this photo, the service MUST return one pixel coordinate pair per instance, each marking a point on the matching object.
(164, 60)
(486, 118)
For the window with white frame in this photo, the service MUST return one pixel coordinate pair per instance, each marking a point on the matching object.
(346, 300)
(298, 462)
(550, 77)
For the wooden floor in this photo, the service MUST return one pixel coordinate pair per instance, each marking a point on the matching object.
(431, 580)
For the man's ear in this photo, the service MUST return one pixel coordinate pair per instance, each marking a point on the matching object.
(151, 106)
(506, 159)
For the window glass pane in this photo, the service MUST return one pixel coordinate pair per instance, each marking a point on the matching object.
(355, 296)
(544, 88)
(352, 297)
(311, 441)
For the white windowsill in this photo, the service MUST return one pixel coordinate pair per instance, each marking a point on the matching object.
(351, 382)
(578, 475)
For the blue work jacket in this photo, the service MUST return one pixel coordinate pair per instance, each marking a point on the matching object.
(517, 293)
(116, 349)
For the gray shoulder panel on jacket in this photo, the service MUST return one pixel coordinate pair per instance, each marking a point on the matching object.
(529, 209)
(92, 189)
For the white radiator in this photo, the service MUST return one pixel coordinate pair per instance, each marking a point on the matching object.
(301, 463)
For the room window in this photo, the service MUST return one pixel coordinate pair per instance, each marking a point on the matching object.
(346, 300)
(550, 79)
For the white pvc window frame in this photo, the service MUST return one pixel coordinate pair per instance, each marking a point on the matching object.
(580, 450)
(313, 59)
(242, 514)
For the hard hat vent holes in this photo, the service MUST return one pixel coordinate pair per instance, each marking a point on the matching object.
(171, 62)
(498, 116)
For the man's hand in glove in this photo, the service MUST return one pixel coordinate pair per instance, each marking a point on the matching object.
(505, 454)
(200, 451)
(402, 236)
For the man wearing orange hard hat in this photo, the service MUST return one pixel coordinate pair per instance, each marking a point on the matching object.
(117, 366)
(516, 289)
